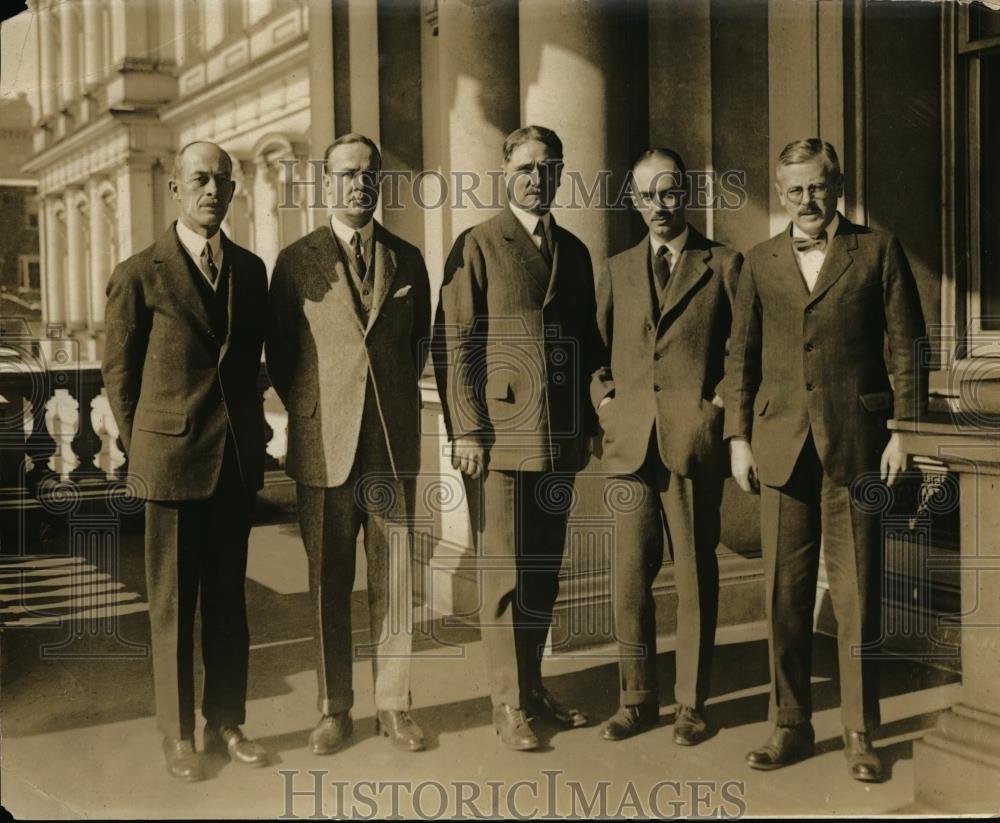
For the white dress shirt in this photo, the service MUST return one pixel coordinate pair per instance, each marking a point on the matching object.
(675, 246)
(194, 245)
(810, 262)
(345, 234)
(530, 223)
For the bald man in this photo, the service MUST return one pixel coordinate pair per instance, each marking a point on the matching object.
(186, 319)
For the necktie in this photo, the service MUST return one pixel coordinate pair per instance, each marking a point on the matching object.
(661, 268)
(543, 243)
(804, 244)
(359, 256)
(208, 265)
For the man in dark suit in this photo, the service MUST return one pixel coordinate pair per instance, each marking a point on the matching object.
(185, 327)
(808, 398)
(663, 310)
(515, 318)
(350, 322)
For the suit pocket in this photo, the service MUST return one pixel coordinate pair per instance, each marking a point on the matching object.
(878, 402)
(161, 421)
(760, 405)
(499, 388)
(302, 405)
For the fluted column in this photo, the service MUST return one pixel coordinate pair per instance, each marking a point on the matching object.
(47, 60)
(265, 209)
(573, 60)
(100, 252)
(180, 32)
(134, 186)
(53, 277)
(69, 51)
(76, 260)
(117, 31)
(94, 51)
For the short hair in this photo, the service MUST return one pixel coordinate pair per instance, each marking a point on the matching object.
(177, 169)
(348, 139)
(543, 135)
(802, 151)
(668, 154)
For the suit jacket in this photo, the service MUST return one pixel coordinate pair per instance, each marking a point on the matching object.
(663, 364)
(516, 344)
(321, 358)
(804, 361)
(176, 388)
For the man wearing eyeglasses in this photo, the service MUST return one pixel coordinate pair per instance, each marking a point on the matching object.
(515, 323)
(350, 320)
(808, 397)
(664, 310)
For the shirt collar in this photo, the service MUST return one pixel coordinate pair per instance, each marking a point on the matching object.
(194, 243)
(529, 221)
(676, 245)
(344, 232)
(831, 229)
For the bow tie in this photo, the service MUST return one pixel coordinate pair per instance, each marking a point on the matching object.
(804, 244)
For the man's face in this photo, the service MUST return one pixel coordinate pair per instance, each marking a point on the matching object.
(809, 193)
(659, 195)
(351, 183)
(533, 173)
(204, 188)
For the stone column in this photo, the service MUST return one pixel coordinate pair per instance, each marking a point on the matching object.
(76, 260)
(134, 186)
(572, 70)
(47, 72)
(265, 210)
(52, 263)
(180, 32)
(69, 51)
(128, 29)
(95, 56)
(100, 253)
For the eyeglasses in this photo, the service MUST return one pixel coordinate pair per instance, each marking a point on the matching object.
(666, 197)
(796, 194)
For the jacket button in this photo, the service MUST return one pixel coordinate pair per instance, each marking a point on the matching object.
(809, 309)
(809, 387)
(809, 347)
(649, 326)
(656, 387)
(656, 356)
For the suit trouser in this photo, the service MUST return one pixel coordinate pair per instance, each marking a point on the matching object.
(793, 518)
(521, 532)
(197, 549)
(330, 519)
(689, 508)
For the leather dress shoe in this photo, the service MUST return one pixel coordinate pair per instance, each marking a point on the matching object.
(540, 702)
(182, 759)
(690, 726)
(331, 732)
(513, 728)
(786, 745)
(231, 740)
(863, 762)
(631, 720)
(401, 729)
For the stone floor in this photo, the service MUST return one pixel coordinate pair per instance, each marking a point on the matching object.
(79, 740)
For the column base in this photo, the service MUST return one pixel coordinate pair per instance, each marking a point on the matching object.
(956, 766)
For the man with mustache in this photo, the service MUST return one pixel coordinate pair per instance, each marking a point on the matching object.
(808, 396)
(185, 327)
(515, 322)
(663, 310)
(350, 320)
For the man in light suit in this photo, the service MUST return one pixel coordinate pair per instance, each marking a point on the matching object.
(663, 310)
(808, 397)
(350, 321)
(185, 327)
(515, 320)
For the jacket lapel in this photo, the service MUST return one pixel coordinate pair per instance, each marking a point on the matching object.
(177, 268)
(788, 267)
(385, 271)
(838, 259)
(523, 249)
(325, 257)
(555, 280)
(634, 273)
(689, 272)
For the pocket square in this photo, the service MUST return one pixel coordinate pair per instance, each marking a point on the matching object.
(403, 291)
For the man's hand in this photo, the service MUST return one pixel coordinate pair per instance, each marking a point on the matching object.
(468, 457)
(744, 467)
(893, 460)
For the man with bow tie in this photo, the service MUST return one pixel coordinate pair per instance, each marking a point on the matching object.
(349, 335)
(663, 310)
(185, 327)
(808, 397)
(513, 356)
